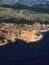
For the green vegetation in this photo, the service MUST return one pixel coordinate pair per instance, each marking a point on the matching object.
(22, 16)
(20, 6)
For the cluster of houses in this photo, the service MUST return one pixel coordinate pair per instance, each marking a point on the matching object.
(27, 33)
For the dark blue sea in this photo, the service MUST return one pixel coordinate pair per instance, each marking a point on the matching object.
(20, 53)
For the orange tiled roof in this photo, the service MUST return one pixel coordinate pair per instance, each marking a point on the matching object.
(30, 36)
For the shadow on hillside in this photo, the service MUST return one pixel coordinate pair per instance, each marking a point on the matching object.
(20, 6)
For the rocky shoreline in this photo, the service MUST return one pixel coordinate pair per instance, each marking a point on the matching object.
(28, 33)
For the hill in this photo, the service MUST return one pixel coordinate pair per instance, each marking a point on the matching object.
(20, 15)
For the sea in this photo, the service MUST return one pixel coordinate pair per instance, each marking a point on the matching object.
(22, 53)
